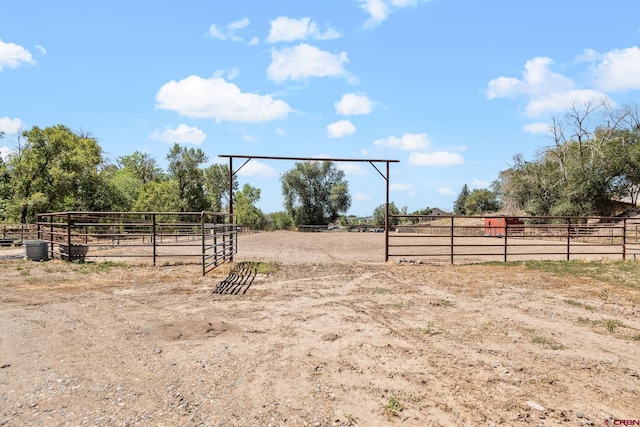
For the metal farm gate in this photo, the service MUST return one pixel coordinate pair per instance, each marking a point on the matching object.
(210, 238)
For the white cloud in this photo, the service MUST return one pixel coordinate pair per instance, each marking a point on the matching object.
(280, 131)
(547, 91)
(352, 104)
(13, 55)
(285, 29)
(379, 10)
(41, 49)
(408, 141)
(352, 168)
(257, 169)
(556, 102)
(478, 183)
(361, 197)
(537, 79)
(230, 30)
(183, 134)
(340, 129)
(446, 191)
(196, 97)
(5, 152)
(536, 128)
(10, 126)
(588, 55)
(618, 70)
(439, 158)
(303, 61)
(401, 186)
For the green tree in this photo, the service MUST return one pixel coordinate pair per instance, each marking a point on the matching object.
(141, 166)
(56, 170)
(216, 185)
(158, 196)
(481, 201)
(279, 220)
(315, 193)
(184, 169)
(461, 201)
(245, 209)
(379, 213)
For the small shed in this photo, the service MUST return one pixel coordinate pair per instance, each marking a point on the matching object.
(497, 226)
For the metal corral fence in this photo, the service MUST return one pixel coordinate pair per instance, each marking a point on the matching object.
(15, 234)
(501, 238)
(209, 237)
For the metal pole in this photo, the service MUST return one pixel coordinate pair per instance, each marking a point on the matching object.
(624, 239)
(568, 238)
(202, 233)
(386, 219)
(153, 236)
(452, 217)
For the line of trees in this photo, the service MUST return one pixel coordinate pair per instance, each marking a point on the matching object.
(57, 170)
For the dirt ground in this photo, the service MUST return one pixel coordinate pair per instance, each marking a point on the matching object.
(322, 333)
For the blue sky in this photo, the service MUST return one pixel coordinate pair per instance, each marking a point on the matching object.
(450, 88)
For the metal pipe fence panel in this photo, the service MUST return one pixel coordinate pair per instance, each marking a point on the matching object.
(469, 239)
(143, 236)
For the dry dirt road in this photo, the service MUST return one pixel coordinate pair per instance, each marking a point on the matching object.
(323, 334)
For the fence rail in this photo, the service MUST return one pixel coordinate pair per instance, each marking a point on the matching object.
(479, 238)
(209, 237)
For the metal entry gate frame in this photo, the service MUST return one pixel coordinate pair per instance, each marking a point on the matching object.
(372, 162)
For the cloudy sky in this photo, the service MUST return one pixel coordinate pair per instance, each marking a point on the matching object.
(450, 88)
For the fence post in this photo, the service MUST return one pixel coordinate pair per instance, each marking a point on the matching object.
(624, 239)
(506, 233)
(204, 258)
(568, 238)
(451, 239)
(153, 236)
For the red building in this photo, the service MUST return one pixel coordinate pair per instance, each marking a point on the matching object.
(497, 226)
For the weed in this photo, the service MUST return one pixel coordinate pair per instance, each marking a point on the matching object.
(611, 324)
(636, 337)
(378, 290)
(97, 267)
(266, 267)
(394, 406)
(398, 305)
(545, 342)
(579, 304)
(351, 420)
(604, 294)
(428, 329)
(25, 272)
(445, 303)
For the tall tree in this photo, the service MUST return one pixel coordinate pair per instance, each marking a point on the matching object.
(56, 170)
(216, 185)
(481, 201)
(379, 213)
(142, 166)
(315, 193)
(184, 169)
(461, 201)
(245, 209)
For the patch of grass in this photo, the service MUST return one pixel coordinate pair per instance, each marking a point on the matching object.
(377, 290)
(397, 305)
(609, 324)
(546, 342)
(266, 267)
(394, 406)
(625, 273)
(97, 267)
(635, 337)
(445, 303)
(428, 329)
(604, 294)
(579, 304)
(351, 420)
